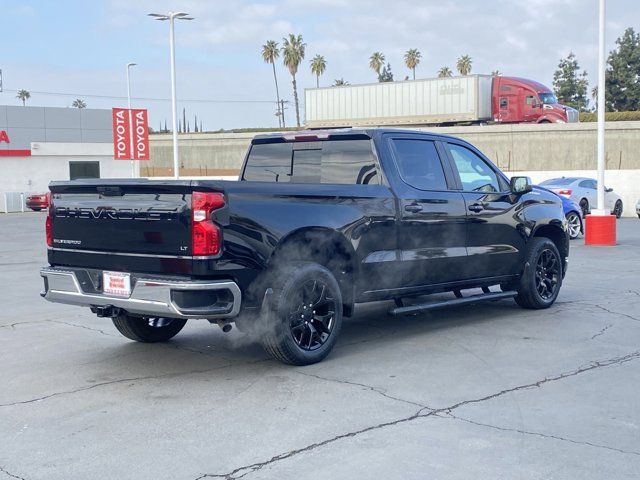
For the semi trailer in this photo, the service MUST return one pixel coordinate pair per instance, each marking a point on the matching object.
(437, 101)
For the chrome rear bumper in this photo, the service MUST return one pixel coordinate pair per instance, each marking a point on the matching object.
(149, 296)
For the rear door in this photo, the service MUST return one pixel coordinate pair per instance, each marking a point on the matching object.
(431, 233)
(494, 236)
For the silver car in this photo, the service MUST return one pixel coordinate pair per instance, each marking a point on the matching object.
(583, 191)
(638, 208)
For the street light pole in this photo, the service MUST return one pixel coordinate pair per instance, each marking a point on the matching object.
(601, 108)
(133, 165)
(174, 101)
(171, 16)
(600, 226)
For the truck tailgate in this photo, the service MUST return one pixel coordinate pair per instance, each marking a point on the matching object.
(96, 222)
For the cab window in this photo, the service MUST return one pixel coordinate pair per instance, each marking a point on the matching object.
(475, 174)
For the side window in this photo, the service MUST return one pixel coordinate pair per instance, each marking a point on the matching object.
(269, 162)
(529, 99)
(503, 103)
(588, 184)
(349, 162)
(475, 174)
(419, 164)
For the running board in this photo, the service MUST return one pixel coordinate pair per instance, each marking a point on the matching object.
(421, 307)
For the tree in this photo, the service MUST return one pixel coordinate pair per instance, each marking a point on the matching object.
(496, 73)
(570, 86)
(463, 65)
(184, 120)
(270, 53)
(376, 62)
(293, 49)
(412, 59)
(386, 75)
(622, 86)
(340, 82)
(445, 72)
(79, 103)
(23, 95)
(318, 66)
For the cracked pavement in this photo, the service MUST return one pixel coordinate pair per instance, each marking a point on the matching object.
(484, 392)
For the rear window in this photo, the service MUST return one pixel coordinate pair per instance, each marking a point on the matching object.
(559, 181)
(337, 162)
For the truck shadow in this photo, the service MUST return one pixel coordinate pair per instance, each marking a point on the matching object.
(371, 326)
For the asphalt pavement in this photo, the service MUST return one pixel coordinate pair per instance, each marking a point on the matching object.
(479, 392)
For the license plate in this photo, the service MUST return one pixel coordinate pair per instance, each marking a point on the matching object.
(116, 283)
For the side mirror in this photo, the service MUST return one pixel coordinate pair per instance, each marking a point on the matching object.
(520, 184)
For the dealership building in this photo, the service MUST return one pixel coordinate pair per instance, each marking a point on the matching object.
(42, 144)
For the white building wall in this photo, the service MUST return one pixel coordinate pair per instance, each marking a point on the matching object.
(50, 161)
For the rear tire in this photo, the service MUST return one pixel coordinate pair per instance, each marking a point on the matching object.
(143, 330)
(304, 315)
(584, 205)
(617, 210)
(542, 278)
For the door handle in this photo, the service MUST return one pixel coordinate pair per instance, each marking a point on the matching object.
(476, 207)
(414, 207)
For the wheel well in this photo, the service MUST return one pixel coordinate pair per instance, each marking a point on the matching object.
(558, 237)
(327, 248)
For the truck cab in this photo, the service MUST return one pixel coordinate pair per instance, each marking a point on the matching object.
(521, 100)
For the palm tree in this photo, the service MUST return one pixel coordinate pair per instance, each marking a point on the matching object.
(496, 73)
(464, 65)
(318, 66)
(444, 72)
(23, 95)
(292, 54)
(270, 54)
(376, 61)
(79, 103)
(340, 82)
(412, 59)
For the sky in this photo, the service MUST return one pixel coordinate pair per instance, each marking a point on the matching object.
(81, 48)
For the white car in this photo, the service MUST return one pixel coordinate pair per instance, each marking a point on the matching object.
(583, 191)
(638, 208)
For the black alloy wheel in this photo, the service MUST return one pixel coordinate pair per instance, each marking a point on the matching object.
(303, 316)
(312, 314)
(547, 274)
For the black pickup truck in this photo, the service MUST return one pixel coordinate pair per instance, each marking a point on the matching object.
(319, 221)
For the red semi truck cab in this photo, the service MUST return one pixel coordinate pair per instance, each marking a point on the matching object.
(519, 100)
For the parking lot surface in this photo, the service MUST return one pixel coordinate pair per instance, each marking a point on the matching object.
(482, 392)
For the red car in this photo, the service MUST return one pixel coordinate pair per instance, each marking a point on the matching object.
(38, 202)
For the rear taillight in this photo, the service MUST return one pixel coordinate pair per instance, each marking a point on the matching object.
(206, 237)
(565, 192)
(48, 225)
